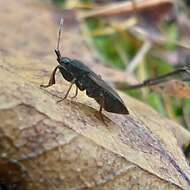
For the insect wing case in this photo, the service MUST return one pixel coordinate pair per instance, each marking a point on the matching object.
(78, 68)
(112, 101)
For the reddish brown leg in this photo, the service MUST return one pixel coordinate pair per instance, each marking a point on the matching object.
(52, 79)
(72, 82)
(100, 113)
(76, 93)
(101, 106)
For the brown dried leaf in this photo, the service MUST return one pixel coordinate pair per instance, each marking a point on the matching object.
(72, 147)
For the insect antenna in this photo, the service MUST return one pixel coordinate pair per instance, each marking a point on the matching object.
(57, 51)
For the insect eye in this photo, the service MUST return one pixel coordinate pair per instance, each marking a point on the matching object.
(66, 61)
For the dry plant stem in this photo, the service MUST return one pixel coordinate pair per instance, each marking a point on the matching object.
(122, 54)
(71, 3)
(160, 79)
(123, 7)
(139, 57)
(88, 39)
(117, 26)
(120, 29)
(76, 4)
(158, 40)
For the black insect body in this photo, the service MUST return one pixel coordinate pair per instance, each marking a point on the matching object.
(84, 78)
(99, 90)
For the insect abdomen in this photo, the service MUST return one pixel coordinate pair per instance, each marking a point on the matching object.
(111, 104)
(105, 99)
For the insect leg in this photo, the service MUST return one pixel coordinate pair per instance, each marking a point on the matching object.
(102, 102)
(52, 79)
(72, 82)
(76, 93)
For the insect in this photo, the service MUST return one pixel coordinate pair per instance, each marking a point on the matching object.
(84, 78)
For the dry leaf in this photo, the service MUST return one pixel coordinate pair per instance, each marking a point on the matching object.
(73, 148)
